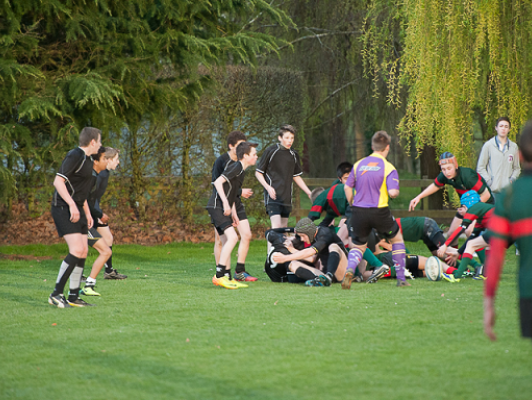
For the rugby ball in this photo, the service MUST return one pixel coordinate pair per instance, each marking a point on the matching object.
(433, 268)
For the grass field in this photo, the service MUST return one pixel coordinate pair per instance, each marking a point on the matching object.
(167, 333)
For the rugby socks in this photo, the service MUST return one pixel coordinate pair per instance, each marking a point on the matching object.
(75, 279)
(64, 273)
(372, 259)
(332, 263)
(240, 267)
(450, 270)
(353, 259)
(305, 274)
(482, 255)
(399, 259)
(90, 282)
(109, 263)
(464, 265)
(220, 271)
(228, 274)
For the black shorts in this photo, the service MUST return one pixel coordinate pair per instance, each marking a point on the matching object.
(61, 216)
(475, 234)
(278, 209)
(411, 263)
(93, 236)
(221, 222)
(363, 220)
(98, 225)
(525, 308)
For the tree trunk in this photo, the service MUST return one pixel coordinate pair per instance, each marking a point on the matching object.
(186, 182)
(430, 170)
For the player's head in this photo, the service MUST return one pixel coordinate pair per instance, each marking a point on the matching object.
(315, 193)
(91, 138)
(343, 170)
(306, 229)
(380, 141)
(99, 160)
(525, 143)
(248, 151)
(448, 164)
(286, 135)
(113, 156)
(469, 199)
(234, 139)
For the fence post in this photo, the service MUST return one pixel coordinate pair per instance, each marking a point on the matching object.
(425, 200)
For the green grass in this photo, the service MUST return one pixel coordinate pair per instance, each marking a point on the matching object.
(167, 333)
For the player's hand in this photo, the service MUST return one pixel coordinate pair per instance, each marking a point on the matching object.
(74, 213)
(413, 203)
(441, 251)
(271, 192)
(227, 209)
(104, 219)
(247, 193)
(489, 318)
(451, 259)
(90, 221)
(279, 258)
(236, 220)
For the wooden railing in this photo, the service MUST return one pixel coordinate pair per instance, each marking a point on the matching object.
(422, 209)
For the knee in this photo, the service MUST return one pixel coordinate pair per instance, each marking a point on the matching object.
(245, 236)
(107, 252)
(334, 248)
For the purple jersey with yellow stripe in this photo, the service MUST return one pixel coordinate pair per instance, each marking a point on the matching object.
(371, 178)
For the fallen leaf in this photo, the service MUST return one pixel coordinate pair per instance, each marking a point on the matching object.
(443, 294)
(276, 303)
(54, 324)
(188, 340)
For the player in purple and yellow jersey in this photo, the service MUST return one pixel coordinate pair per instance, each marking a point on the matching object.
(512, 221)
(369, 185)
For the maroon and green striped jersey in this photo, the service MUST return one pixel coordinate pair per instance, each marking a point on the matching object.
(466, 179)
(480, 212)
(332, 201)
(512, 221)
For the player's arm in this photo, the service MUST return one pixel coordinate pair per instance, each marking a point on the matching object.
(90, 221)
(59, 184)
(485, 195)
(234, 215)
(301, 183)
(219, 185)
(458, 231)
(262, 181)
(298, 255)
(516, 169)
(431, 189)
(392, 183)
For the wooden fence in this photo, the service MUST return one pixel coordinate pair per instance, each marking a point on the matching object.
(422, 209)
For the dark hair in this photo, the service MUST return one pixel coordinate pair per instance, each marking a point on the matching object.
(244, 148)
(380, 140)
(286, 128)
(343, 168)
(315, 193)
(87, 134)
(503, 119)
(525, 142)
(234, 137)
(98, 155)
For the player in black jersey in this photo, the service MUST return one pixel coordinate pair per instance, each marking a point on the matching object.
(102, 222)
(221, 163)
(222, 208)
(324, 244)
(106, 158)
(71, 215)
(279, 165)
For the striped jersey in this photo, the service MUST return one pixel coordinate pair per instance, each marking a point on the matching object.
(466, 179)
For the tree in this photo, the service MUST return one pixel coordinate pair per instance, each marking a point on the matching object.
(68, 65)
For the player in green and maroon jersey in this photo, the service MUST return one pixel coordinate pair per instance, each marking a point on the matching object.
(512, 220)
(331, 200)
(422, 228)
(461, 178)
(473, 210)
